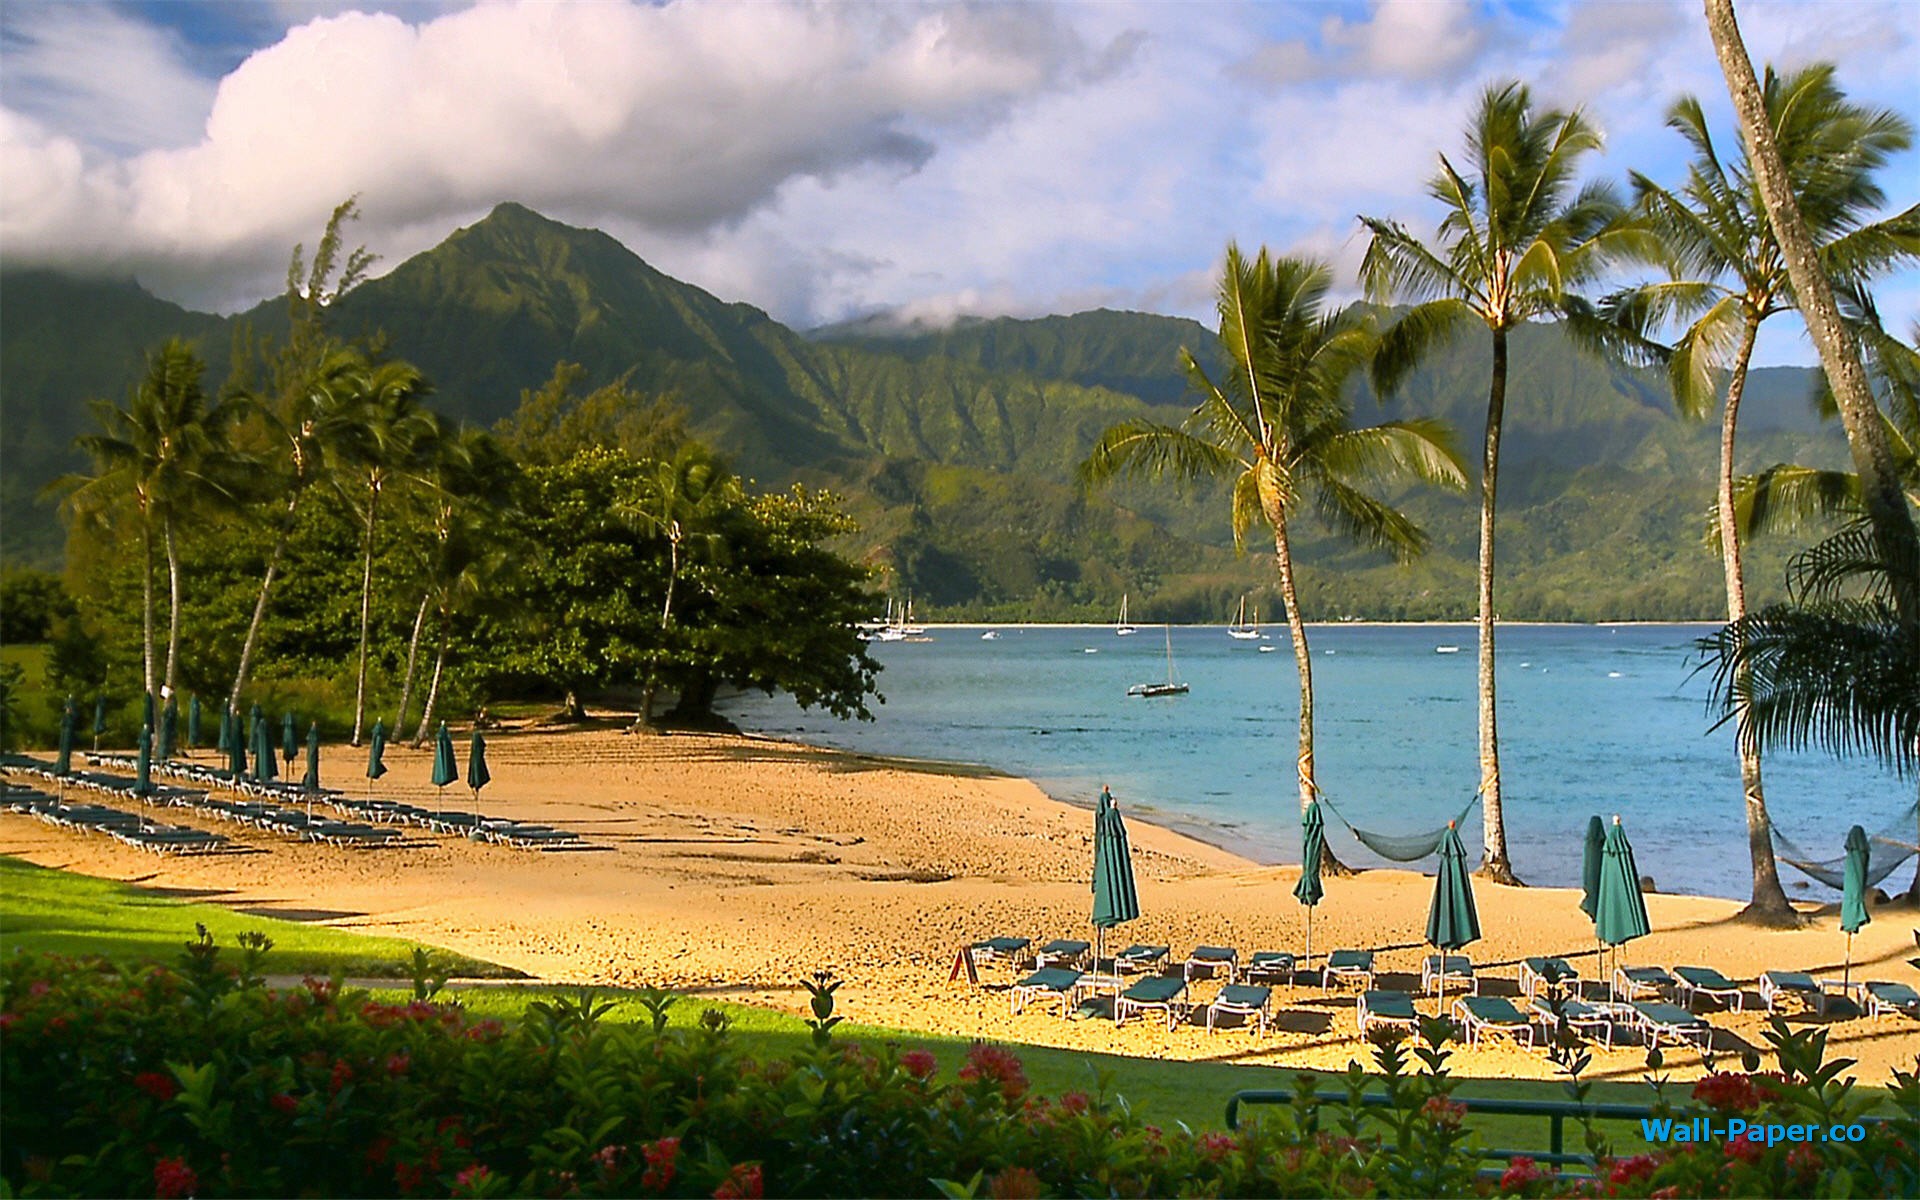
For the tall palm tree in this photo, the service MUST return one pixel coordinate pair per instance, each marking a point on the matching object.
(1278, 424)
(674, 501)
(466, 562)
(392, 440)
(1727, 277)
(1515, 244)
(167, 455)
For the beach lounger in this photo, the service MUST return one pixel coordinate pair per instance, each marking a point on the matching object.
(1538, 975)
(1246, 1000)
(1659, 1021)
(1010, 950)
(1062, 951)
(1890, 999)
(1705, 981)
(1136, 959)
(1347, 966)
(1775, 984)
(1630, 982)
(1482, 1015)
(1163, 993)
(1210, 959)
(1270, 964)
(1581, 1017)
(1436, 970)
(1049, 983)
(1385, 1008)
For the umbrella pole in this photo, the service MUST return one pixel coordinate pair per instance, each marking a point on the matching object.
(1846, 975)
(1309, 963)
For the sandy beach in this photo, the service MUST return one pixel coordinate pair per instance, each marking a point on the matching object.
(733, 866)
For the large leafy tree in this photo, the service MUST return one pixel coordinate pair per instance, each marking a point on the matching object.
(167, 459)
(1727, 277)
(1276, 422)
(1516, 242)
(678, 501)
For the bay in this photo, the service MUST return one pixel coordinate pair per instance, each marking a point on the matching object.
(1593, 719)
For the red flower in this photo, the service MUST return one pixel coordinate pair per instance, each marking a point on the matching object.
(741, 1183)
(153, 1083)
(285, 1103)
(919, 1063)
(661, 1157)
(1804, 1160)
(7, 1019)
(1519, 1174)
(173, 1178)
(397, 1064)
(1443, 1112)
(377, 1151)
(1076, 1102)
(39, 987)
(1626, 1171)
(473, 1176)
(408, 1176)
(995, 1065)
(342, 1076)
(1728, 1091)
(1216, 1145)
(1744, 1149)
(1014, 1183)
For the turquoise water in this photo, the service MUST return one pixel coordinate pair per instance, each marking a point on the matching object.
(1593, 719)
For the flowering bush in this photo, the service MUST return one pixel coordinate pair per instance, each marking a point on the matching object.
(201, 1081)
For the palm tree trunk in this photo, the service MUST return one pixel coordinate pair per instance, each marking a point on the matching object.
(1303, 667)
(413, 656)
(366, 618)
(651, 690)
(1496, 864)
(173, 606)
(260, 602)
(146, 602)
(1894, 535)
(1769, 904)
(433, 690)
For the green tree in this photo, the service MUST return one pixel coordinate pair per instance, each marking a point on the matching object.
(1277, 424)
(1515, 244)
(555, 422)
(676, 502)
(32, 603)
(166, 456)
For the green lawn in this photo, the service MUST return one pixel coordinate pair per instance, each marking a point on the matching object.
(65, 913)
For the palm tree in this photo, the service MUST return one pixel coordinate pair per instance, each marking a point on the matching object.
(679, 494)
(1278, 424)
(167, 455)
(392, 439)
(1515, 243)
(1727, 278)
(466, 562)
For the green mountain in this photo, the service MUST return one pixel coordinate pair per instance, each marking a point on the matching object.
(956, 447)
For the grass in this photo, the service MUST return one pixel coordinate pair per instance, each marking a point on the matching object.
(63, 913)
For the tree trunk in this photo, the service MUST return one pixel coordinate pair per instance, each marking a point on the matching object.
(146, 602)
(366, 617)
(1769, 904)
(1496, 865)
(1893, 529)
(1303, 667)
(173, 610)
(695, 703)
(413, 657)
(260, 602)
(433, 691)
(651, 689)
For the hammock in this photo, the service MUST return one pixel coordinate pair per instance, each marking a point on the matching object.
(1410, 847)
(1886, 850)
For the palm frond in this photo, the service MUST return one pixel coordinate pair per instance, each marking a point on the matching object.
(1786, 498)
(1367, 521)
(1848, 557)
(1703, 355)
(1420, 450)
(1397, 265)
(1144, 449)
(1407, 342)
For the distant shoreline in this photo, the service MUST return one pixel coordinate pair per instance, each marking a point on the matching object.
(1465, 624)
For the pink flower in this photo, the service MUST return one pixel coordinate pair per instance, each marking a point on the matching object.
(1216, 1145)
(995, 1065)
(919, 1063)
(1744, 1149)
(1519, 1174)
(473, 1176)
(661, 1158)
(173, 1178)
(741, 1183)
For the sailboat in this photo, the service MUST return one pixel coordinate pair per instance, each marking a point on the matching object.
(1122, 629)
(1169, 688)
(1240, 629)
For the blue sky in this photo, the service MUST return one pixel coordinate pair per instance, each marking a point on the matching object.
(833, 161)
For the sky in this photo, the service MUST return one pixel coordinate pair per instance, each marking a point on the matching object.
(835, 161)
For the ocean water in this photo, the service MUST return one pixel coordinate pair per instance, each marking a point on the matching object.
(1593, 719)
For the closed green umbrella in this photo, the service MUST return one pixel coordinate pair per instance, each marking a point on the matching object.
(477, 774)
(263, 764)
(169, 729)
(1853, 895)
(146, 710)
(1619, 911)
(143, 765)
(63, 760)
(289, 744)
(236, 748)
(1452, 920)
(376, 750)
(99, 720)
(193, 724)
(1313, 847)
(1591, 851)
(310, 782)
(1115, 899)
(445, 769)
(225, 745)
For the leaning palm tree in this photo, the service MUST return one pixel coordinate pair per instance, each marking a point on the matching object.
(1727, 277)
(167, 455)
(1279, 425)
(677, 497)
(1515, 243)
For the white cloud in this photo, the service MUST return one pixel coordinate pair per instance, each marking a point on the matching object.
(103, 78)
(1406, 40)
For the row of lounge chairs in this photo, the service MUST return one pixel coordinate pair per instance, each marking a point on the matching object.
(128, 827)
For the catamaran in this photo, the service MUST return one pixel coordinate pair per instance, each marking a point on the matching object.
(1240, 629)
(1122, 629)
(1169, 688)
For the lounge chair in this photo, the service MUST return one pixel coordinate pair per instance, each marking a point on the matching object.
(1270, 964)
(1061, 951)
(1705, 981)
(1439, 970)
(1890, 999)
(1580, 1016)
(1048, 983)
(1011, 950)
(1538, 975)
(1349, 965)
(1210, 959)
(1630, 982)
(1253, 1003)
(1775, 984)
(1136, 959)
(1659, 1021)
(1162, 993)
(1385, 1008)
(1482, 1015)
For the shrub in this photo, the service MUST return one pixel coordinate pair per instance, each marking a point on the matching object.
(199, 1080)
